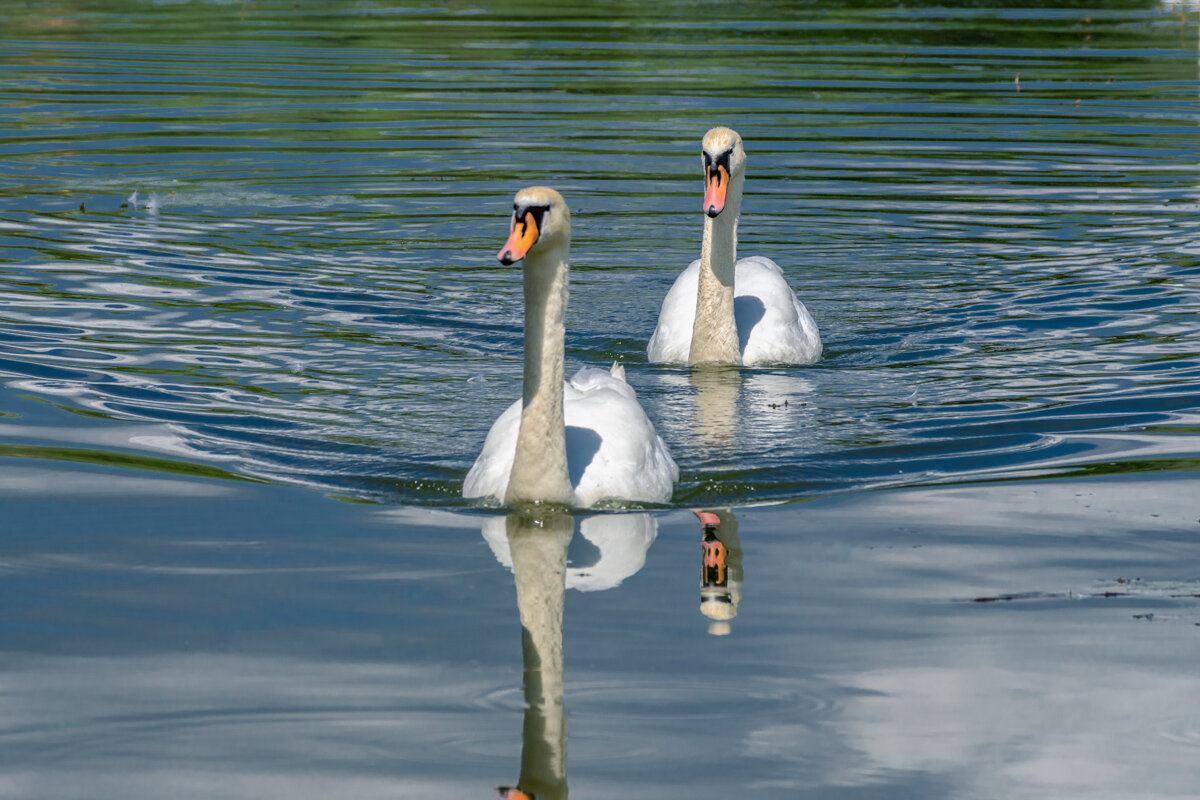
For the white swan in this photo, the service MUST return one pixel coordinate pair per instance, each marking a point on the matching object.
(724, 311)
(575, 443)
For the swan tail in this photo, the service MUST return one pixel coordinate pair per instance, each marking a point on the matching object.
(617, 371)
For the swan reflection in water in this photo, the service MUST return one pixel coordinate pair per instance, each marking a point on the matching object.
(720, 569)
(731, 417)
(714, 415)
(534, 546)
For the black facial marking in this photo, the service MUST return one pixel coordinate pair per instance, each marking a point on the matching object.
(722, 160)
(538, 213)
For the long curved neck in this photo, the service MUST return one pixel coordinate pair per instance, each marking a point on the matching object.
(539, 559)
(539, 471)
(714, 332)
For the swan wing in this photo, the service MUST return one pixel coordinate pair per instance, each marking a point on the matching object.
(613, 451)
(774, 327)
(489, 474)
(672, 337)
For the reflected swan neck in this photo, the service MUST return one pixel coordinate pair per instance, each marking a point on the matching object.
(539, 558)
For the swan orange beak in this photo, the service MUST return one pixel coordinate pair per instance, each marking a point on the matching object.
(708, 519)
(522, 237)
(714, 190)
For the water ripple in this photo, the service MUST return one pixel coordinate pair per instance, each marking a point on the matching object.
(992, 216)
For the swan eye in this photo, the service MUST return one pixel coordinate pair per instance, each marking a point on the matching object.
(707, 158)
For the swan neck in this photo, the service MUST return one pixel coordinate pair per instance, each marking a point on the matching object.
(714, 332)
(539, 472)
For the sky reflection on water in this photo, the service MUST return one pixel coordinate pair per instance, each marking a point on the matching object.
(304, 647)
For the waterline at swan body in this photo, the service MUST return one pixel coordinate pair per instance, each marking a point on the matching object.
(575, 443)
(724, 311)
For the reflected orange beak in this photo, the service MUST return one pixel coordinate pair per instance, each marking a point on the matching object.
(708, 518)
(522, 236)
(714, 555)
(714, 191)
(512, 793)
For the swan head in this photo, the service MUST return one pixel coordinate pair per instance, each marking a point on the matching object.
(540, 220)
(724, 160)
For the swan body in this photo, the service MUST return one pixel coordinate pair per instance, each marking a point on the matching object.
(613, 451)
(724, 311)
(574, 442)
(773, 327)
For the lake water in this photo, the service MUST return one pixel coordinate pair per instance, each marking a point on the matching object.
(253, 332)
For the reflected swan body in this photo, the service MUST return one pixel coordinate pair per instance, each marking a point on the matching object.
(620, 541)
(722, 310)
(570, 443)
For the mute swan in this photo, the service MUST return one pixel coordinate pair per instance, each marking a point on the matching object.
(719, 313)
(575, 443)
